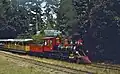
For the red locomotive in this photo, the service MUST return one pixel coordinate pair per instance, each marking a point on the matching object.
(52, 47)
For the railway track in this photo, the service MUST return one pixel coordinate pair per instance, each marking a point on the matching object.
(106, 66)
(90, 68)
(64, 69)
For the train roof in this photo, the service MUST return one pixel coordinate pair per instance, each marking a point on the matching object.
(48, 37)
(22, 40)
(15, 40)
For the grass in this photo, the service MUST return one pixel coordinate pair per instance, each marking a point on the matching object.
(10, 66)
(82, 67)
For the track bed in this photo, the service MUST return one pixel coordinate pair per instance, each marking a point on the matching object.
(64, 67)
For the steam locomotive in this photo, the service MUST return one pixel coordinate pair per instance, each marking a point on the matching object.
(51, 47)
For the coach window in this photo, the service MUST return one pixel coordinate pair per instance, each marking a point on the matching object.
(66, 41)
(50, 42)
(57, 40)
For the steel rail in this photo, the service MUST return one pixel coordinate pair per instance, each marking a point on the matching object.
(107, 66)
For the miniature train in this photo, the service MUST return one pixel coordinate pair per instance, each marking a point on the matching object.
(52, 47)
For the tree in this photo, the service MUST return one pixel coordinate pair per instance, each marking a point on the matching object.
(102, 26)
(66, 17)
(38, 38)
(25, 16)
(4, 27)
(34, 12)
(50, 15)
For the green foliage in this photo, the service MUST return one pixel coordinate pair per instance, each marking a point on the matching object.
(38, 38)
(116, 18)
(4, 5)
(66, 16)
(101, 21)
(18, 15)
(51, 11)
